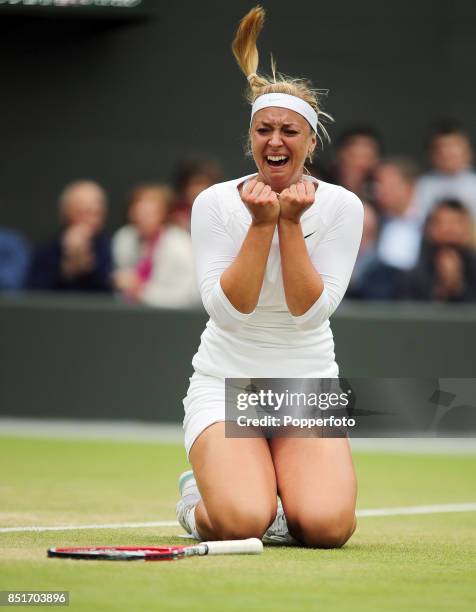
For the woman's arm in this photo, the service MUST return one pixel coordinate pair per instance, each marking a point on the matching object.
(303, 284)
(230, 278)
(242, 281)
(315, 284)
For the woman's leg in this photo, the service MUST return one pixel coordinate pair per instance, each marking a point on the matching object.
(236, 480)
(317, 486)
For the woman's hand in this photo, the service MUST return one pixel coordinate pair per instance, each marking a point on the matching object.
(129, 283)
(295, 200)
(449, 270)
(262, 202)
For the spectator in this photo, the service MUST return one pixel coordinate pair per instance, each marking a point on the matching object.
(400, 236)
(14, 260)
(357, 155)
(367, 255)
(398, 243)
(446, 269)
(452, 176)
(191, 178)
(153, 260)
(79, 258)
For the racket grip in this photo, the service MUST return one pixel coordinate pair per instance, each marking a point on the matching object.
(251, 546)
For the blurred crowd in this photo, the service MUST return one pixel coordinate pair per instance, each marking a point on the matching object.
(147, 260)
(418, 241)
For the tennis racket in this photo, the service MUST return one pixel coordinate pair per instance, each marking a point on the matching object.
(252, 546)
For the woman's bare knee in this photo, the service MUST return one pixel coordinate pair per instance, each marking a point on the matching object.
(238, 522)
(322, 530)
(240, 503)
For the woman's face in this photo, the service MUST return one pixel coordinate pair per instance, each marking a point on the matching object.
(451, 153)
(360, 154)
(449, 227)
(281, 139)
(148, 215)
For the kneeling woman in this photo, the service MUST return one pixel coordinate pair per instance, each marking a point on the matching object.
(274, 254)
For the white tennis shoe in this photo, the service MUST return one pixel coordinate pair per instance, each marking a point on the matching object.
(277, 532)
(190, 496)
(188, 488)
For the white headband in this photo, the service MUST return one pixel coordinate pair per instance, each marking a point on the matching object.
(286, 101)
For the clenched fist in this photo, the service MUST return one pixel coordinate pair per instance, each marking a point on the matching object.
(262, 202)
(296, 199)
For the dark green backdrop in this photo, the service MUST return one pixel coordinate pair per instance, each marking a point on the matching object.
(85, 358)
(120, 102)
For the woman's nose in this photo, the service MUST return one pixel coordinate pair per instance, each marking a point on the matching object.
(275, 139)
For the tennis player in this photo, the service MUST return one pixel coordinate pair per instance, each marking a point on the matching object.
(274, 254)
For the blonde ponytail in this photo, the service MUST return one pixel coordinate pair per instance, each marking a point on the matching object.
(246, 54)
(244, 46)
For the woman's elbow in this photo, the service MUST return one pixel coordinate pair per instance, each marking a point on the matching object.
(223, 318)
(316, 315)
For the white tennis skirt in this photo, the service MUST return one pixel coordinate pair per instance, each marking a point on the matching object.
(204, 405)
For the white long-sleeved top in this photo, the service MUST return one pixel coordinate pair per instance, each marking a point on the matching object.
(270, 341)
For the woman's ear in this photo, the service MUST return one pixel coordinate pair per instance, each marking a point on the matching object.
(312, 145)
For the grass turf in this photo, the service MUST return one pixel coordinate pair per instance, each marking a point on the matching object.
(423, 562)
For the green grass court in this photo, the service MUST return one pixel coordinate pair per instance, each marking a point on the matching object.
(424, 562)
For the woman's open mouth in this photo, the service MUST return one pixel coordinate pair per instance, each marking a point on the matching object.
(276, 160)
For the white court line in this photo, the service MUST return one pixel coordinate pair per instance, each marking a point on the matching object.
(434, 509)
(408, 510)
